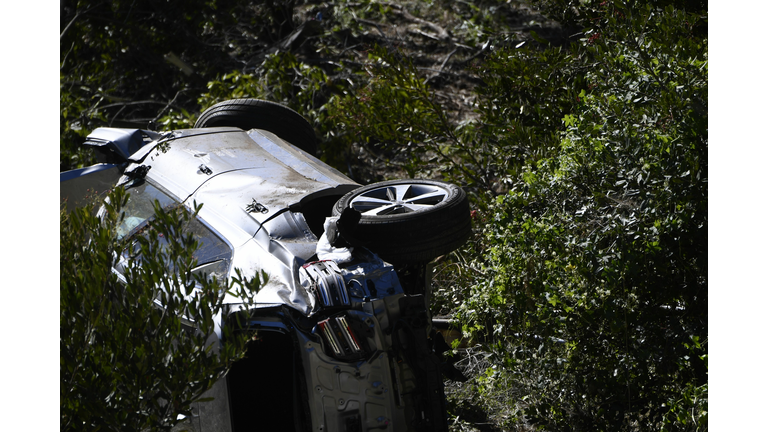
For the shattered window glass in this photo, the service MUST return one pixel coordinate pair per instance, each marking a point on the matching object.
(213, 254)
(140, 207)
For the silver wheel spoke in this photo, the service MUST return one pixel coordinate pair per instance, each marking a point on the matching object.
(367, 204)
(401, 191)
(391, 209)
(431, 198)
(415, 207)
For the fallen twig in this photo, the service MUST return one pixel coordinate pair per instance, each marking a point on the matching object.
(372, 23)
(423, 33)
(442, 65)
(167, 105)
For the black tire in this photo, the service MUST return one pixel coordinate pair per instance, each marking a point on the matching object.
(409, 221)
(249, 114)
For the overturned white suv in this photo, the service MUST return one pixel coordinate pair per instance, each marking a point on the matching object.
(345, 339)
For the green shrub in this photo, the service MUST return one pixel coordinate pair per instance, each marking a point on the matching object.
(130, 357)
(595, 269)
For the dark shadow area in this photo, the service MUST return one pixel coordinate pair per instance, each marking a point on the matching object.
(316, 210)
(262, 386)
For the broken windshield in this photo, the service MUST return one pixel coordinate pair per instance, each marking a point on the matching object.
(140, 207)
(213, 254)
